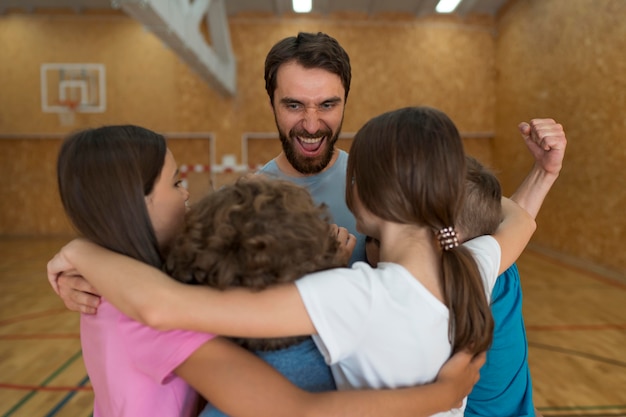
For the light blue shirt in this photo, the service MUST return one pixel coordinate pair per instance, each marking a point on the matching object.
(328, 187)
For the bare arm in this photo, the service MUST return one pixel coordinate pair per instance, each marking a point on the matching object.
(219, 368)
(514, 233)
(79, 295)
(546, 141)
(275, 312)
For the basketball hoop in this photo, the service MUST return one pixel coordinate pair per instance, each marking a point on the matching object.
(67, 116)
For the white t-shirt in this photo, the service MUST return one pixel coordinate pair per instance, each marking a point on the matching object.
(380, 327)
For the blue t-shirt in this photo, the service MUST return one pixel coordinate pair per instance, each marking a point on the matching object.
(328, 187)
(302, 364)
(505, 387)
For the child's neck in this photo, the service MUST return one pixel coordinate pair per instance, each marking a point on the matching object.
(414, 248)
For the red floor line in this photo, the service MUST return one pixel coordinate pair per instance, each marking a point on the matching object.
(39, 336)
(40, 388)
(33, 316)
(576, 327)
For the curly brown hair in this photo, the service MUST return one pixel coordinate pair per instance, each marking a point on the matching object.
(254, 233)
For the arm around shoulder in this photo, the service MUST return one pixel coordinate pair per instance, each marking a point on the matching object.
(151, 297)
(219, 369)
(135, 288)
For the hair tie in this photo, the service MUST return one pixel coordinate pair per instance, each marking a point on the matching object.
(447, 238)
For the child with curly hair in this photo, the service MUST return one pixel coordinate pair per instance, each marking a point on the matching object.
(234, 236)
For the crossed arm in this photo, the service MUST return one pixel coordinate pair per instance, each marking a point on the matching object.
(218, 366)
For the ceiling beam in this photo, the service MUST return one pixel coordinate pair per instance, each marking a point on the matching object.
(465, 7)
(178, 24)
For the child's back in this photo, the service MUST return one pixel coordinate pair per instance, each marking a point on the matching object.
(505, 387)
(381, 328)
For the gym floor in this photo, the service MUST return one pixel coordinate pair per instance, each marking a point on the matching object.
(575, 323)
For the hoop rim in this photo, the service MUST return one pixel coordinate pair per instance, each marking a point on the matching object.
(70, 105)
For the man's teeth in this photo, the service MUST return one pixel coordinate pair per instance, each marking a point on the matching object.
(311, 140)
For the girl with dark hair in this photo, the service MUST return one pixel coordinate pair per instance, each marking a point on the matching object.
(120, 187)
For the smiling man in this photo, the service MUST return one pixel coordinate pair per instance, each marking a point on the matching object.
(307, 79)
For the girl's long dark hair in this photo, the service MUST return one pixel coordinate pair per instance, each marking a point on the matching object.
(103, 176)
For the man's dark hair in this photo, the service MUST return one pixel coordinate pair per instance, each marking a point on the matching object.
(311, 50)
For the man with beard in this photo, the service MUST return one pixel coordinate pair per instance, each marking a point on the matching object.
(307, 79)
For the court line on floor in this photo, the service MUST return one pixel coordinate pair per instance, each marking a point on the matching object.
(32, 316)
(19, 387)
(573, 352)
(621, 409)
(66, 399)
(28, 396)
(572, 327)
(40, 336)
(621, 414)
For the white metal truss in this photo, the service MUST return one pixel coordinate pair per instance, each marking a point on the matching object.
(178, 24)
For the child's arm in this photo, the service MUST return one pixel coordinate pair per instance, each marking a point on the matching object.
(78, 295)
(546, 141)
(514, 233)
(242, 385)
(149, 296)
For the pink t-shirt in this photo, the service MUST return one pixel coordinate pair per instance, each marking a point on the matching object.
(131, 366)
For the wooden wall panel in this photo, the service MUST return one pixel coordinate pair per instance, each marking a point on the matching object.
(440, 62)
(139, 70)
(557, 58)
(29, 201)
(565, 59)
(397, 61)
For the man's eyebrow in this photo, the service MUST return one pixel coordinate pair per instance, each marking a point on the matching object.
(289, 100)
(332, 100)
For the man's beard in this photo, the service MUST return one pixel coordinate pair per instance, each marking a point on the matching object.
(303, 164)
